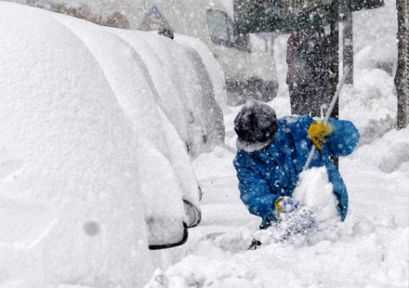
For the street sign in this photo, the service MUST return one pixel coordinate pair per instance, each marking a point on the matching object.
(255, 16)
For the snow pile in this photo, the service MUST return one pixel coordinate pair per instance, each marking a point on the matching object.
(369, 258)
(375, 38)
(392, 152)
(315, 192)
(371, 104)
(71, 205)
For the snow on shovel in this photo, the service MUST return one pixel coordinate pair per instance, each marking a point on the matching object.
(314, 191)
(328, 114)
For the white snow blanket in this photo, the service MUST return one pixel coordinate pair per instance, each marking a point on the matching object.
(71, 206)
(314, 191)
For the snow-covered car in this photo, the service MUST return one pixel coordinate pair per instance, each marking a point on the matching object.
(95, 123)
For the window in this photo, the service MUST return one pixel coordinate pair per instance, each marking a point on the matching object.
(220, 27)
(221, 31)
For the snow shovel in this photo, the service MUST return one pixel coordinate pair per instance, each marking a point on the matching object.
(302, 220)
(329, 111)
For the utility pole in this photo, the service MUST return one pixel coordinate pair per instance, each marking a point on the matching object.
(334, 55)
(334, 61)
(401, 76)
(348, 46)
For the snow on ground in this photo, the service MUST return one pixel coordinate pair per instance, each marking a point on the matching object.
(44, 174)
(370, 249)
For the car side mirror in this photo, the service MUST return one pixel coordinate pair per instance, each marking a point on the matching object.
(163, 237)
(164, 233)
(193, 214)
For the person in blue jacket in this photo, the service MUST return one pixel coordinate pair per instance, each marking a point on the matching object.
(272, 152)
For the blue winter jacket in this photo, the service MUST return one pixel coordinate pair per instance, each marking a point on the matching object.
(273, 171)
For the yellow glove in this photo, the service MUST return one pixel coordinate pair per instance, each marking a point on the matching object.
(285, 204)
(317, 132)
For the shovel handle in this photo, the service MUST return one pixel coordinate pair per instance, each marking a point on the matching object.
(347, 69)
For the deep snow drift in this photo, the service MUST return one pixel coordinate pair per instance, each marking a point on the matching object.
(68, 156)
(369, 249)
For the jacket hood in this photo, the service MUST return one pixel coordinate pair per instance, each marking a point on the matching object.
(252, 147)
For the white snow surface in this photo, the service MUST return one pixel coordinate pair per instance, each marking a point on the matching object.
(39, 205)
(68, 156)
(315, 192)
(370, 249)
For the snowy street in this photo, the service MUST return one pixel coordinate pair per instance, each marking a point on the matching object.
(368, 250)
(117, 141)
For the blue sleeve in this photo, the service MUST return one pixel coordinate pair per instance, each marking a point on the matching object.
(254, 190)
(343, 139)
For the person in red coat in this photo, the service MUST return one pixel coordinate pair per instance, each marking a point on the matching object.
(308, 71)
